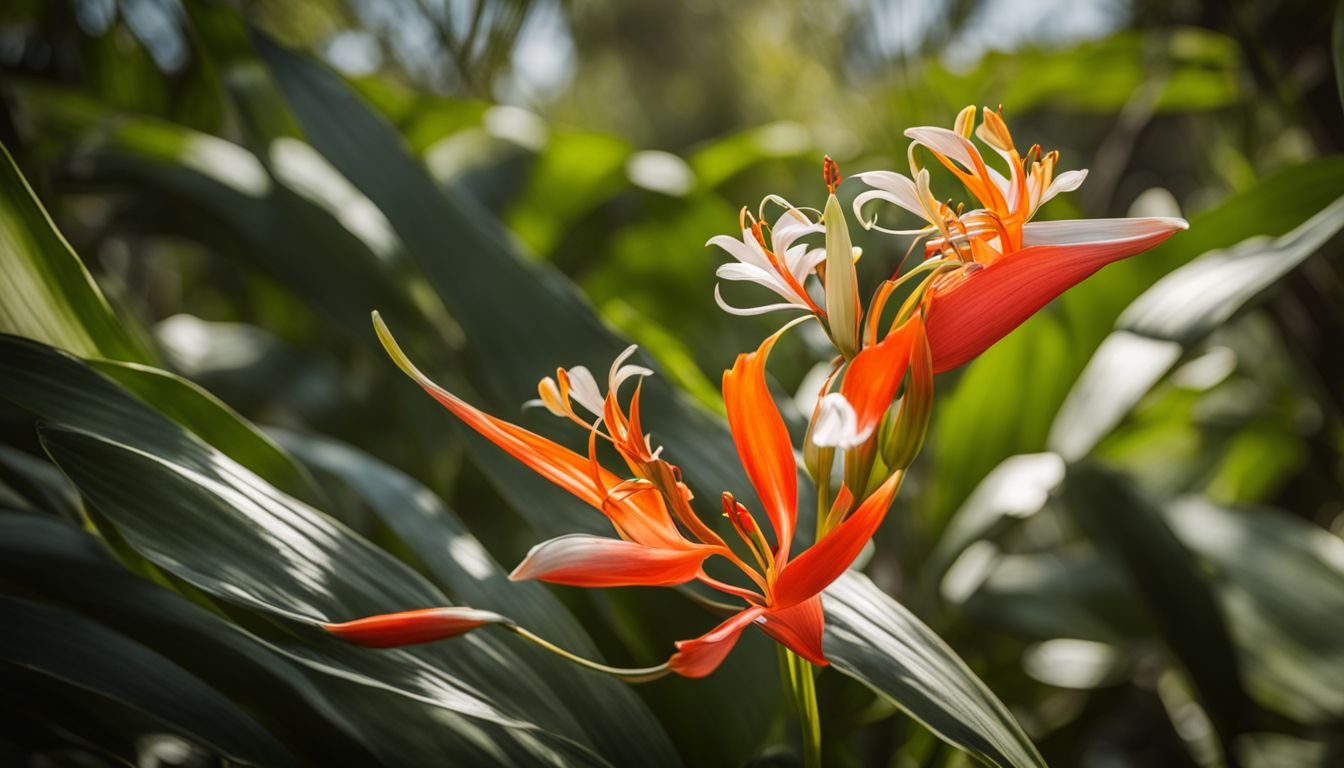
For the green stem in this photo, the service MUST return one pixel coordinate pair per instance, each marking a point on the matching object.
(796, 675)
(640, 675)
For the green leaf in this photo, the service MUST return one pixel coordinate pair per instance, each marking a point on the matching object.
(875, 640)
(1282, 588)
(45, 292)
(975, 434)
(572, 175)
(1186, 305)
(1130, 530)
(520, 318)
(205, 519)
(1172, 316)
(1071, 592)
(615, 718)
(193, 407)
(279, 214)
(39, 484)
(71, 648)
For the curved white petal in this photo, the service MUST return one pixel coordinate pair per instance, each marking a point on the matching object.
(746, 250)
(749, 311)
(1064, 182)
(801, 260)
(1080, 231)
(583, 389)
(893, 188)
(790, 226)
(957, 148)
(748, 273)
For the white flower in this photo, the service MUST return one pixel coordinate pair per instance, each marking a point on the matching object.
(836, 424)
(578, 385)
(783, 269)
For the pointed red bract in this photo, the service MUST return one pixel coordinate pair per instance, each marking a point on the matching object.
(581, 560)
(704, 654)
(411, 627)
(798, 628)
(973, 308)
(808, 574)
(875, 374)
(762, 441)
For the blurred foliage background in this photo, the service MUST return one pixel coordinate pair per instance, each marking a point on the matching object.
(1127, 520)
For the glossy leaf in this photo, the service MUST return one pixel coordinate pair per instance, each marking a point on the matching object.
(616, 719)
(251, 545)
(69, 647)
(875, 640)
(1190, 302)
(214, 422)
(1129, 528)
(46, 293)
(1282, 589)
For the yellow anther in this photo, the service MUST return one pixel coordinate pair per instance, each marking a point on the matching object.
(966, 121)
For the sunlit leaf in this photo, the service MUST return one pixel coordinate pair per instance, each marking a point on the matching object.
(615, 718)
(1282, 588)
(252, 546)
(875, 640)
(45, 292)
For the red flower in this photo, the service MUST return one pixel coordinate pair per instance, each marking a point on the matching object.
(661, 540)
(1005, 267)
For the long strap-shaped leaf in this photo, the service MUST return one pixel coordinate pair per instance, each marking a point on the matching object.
(70, 648)
(202, 517)
(875, 640)
(45, 291)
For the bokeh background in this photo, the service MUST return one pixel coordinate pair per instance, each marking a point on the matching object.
(1177, 599)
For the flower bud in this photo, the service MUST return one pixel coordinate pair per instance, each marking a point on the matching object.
(391, 630)
(901, 443)
(842, 281)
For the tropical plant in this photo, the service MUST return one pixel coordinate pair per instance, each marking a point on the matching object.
(1119, 540)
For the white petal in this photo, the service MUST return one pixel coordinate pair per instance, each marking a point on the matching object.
(801, 260)
(790, 226)
(836, 424)
(746, 250)
(893, 188)
(748, 273)
(620, 373)
(626, 372)
(1078, 231)
(749, 311)
(956, 147)
(583, 389)
(1064, 182)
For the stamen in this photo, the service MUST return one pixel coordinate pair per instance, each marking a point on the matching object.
(830, 173)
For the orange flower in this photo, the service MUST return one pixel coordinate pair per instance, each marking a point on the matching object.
(1004, 267)
(661, 541)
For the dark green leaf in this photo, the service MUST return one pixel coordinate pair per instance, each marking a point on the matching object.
(1190, 302)
(615, 718)
(45, 292)
(873, 639)
(1282, 588)
(71, 648)
(207, 520)
(1129, 529)
(299, 704)
(214, 422)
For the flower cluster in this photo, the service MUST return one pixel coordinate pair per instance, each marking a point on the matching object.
(985, 271)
